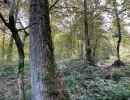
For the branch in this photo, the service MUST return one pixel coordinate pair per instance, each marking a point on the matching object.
(23, 27)
(26, 34)
(122, 11)
(39, 17)
(60, 7)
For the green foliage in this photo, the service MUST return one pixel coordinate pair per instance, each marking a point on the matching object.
(89, 82)
(28, 95)
(70, 81)
(117, 74)
(6, 70)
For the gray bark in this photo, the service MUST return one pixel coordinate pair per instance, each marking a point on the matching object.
(45, 80)
(40, 50)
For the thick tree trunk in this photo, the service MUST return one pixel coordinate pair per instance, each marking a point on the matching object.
(41, 57)
(88, 49)
(43, 77)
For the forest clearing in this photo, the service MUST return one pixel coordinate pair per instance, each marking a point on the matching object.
(64, 50)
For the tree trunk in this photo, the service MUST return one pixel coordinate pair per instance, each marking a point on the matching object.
(43, 77)
(20, 75)
(119, 31)
(39, 52)
(21, 61)
(10, 55)
(14, 31)
(20, 49)
(88, 49)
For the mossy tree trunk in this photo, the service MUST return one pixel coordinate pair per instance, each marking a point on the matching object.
(43, 68)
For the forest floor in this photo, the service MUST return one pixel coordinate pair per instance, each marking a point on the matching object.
(8, 82)
(99, 82)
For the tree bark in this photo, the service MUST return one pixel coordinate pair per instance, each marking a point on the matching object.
(10, 55)
(88, 49)
(21, 59)
(42, 63)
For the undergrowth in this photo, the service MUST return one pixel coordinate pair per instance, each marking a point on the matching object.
(89, 83)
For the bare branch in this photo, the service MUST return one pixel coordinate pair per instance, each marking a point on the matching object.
(26, 34)
(23, 27)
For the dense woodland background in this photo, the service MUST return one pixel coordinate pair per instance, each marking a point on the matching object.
(91, 48)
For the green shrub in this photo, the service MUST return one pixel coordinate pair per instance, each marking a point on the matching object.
(116, 76)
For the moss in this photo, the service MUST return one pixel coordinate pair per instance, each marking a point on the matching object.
(61, 97)
(20, 67)
(66, 94)
(51, 84)
(49, 79)
(52, 88)
(51, 71)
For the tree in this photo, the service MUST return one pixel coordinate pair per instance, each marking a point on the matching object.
(88, 49)
(118, 9)
(118, 28)
(20, 47)
(44, 84)
(9, 56)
